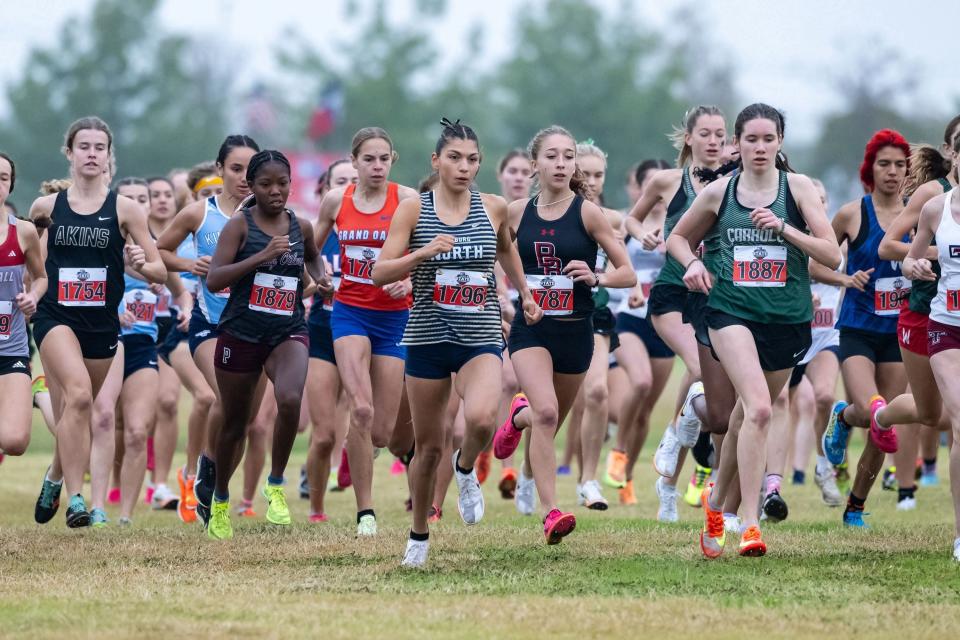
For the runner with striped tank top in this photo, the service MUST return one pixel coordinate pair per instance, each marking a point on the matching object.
(870, 360)
(203, 221)
(449, 240)
(367, 321)
(20, 256)
(939, 222)
(769, 222)
(261, 256)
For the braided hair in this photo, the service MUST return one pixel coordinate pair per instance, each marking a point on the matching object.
(257, 162)
(454, 131)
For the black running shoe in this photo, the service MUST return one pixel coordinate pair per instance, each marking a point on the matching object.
(203, 487)
(304, 484)
(48, 502)
(77, 514)
(774, 507)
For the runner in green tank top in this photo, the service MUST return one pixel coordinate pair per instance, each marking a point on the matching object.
(761, 215)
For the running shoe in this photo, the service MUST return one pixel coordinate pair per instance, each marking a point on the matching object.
(148, 494)
(48, 501)
(151, 455)
(113, 496)
(775, 507)
(929, 479)
(245, 510)
(751, 544)
(855, 519)
(667, 495)
(220, 527)
(483, 466)
(124, 521)
(187, 504)
(332, 480)
(627, 496)
(343, 471)
(667, 454)
(397, 468)
(164, 499)
(956, 549)
(434, 514)
(98, 518)
(277, 510)
(470, 499)
(907, 504)
(799, 477)
(317, 518)
(304, 484)
(591, 496)
(415, 556)
(826, 479)
(367, 526)
(580, 501)
(889, 482)
(564, 470)
(695, 487)
(616, 474)
(507, 438)
(39, 385)
(557, 525)
(843, 477)
(77, 514)
(713, 535)
(885, 439)
(837, 435)
(526, 498)
(203, 487)
(731, 524)
(687, 423)
(508, 483)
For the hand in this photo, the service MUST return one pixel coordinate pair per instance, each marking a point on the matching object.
(127, 319)
(858, 280)
(636, 300)
(763, 218)
(156, 288)
(135, 256)
(651, 240)
(697, 278)
(580, 272)
(183, 320)
(816, 300)
(440, 244)
(532, 313)
(200, 267)
(277, 246)
(325, 286)
(398, 290)
(27, 303)
(920, 269)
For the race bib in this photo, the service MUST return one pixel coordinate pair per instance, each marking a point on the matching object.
(142, 304)
(356, 263)
(6, 319)
(890, 295)
(273, 294)
(164, 302)
(82, 287)
(223, 293)
(464, 291)
(953, 300)
(762, 265)
(328, 302)
(822, 318)
(554, 294)
(646, 278)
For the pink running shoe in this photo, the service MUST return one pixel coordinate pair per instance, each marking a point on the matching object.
(397, 468)
(148, 496)
(114, 496)
(885, 439)
(343, 471)
(318, 517)
(151, 458)
(507, 438)
(557, 525)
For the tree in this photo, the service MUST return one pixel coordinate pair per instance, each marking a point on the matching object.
(161, 93)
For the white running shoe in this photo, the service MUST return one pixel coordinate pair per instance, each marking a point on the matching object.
(367, 526)
(415, 557)
(907, 504)
(731, 524)
(688, 424)
(956, 549)
(668, 501)
(667, 453)
(826, 479)
(163, 498)
(525, 497)
(589, 496)
(470, 502)
(580, 501)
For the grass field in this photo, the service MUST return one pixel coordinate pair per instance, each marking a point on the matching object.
(619, 575)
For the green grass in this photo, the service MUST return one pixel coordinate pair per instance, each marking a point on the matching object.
(620, 575)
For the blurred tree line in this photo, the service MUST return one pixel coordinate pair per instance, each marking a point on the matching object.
(171, 98)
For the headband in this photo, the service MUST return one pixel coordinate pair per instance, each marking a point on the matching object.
(208, 181)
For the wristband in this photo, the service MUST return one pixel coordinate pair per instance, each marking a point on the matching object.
(783, 224)
(597, 283)
(695, 259)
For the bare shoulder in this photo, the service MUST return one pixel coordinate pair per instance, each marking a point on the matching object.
(798, 182)
(848, 211)
(927, 190)
(614, 217)
(405, 193)
(515, 209)
(666, 180)
(495, 205)
(42, 207)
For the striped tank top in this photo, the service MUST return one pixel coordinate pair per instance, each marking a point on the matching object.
(455, 293)
(205, 240)
(13, 327)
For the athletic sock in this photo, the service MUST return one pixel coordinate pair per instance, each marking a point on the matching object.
(903, 494)
(773, 482)
(461, 470)
(703, 449)
(854, 503)
(275, 481)
(222, 497)
(929, 466)
(365, 512)
(56, 482)
(419, 537)
(799, 476)
(823, 464)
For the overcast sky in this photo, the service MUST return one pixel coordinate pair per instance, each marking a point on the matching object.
(783, 51)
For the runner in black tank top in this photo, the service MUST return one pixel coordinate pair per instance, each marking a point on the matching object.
(76, 323)
(261, 256)
(558, 247)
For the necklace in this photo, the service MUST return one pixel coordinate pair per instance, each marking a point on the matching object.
(555, 202)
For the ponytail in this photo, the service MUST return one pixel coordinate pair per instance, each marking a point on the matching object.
(926, 164)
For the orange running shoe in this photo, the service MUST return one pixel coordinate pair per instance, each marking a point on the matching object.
(712, 538)
(616, 475)
(751, 544)
(627, 496)
(508, 483)
(187, 505)
(483, 466)
(245, 510)
(434, 514)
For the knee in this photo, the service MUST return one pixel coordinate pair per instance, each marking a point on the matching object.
(167, 405)
(428, 454)
(78, 400)
(104, 419)
(824, 399)
(717, 421)
(203, 400)
(322, 443)
(640, 388)
(288, 403)
(546, 416)
(759, 415)
(362, 415)
(597, 394)
(509, 385)
(17, 445)
(482, 422)
(134, 438)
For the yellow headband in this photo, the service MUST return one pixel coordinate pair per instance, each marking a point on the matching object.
(209, 181)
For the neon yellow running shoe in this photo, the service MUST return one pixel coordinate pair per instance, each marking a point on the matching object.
(39, 385)
(277, 510)
(696, 485)
(220, 527)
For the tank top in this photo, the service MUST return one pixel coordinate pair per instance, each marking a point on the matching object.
(647, 266)
(455, 293)
(825, 314)
(672, 271)
(546, 247)
(945, 307)
(13, 326)
(143, 303)
(361, 238)
(760, 276)
(188, 251)
(266, 304)
(923, 291)
(877, 307)
(84, 267)
(321, 307)
(205, 240)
